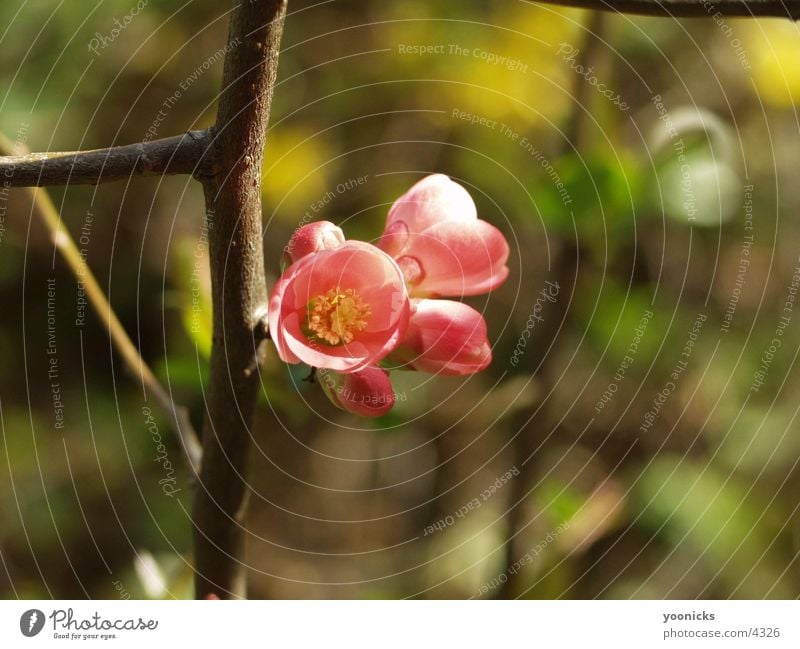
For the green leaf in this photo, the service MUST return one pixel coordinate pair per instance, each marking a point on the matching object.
(720, 521)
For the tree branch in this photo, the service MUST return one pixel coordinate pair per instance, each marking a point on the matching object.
(181, 154)
(178, 416)
(238, 285)
(692, 8)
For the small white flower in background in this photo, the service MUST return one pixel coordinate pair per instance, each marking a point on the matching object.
(150, 575)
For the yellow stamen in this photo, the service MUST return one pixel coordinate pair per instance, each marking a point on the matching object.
(336, 316)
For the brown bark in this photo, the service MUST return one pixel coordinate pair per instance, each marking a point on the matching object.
(182, 154)
(692, 8)
(233, 204)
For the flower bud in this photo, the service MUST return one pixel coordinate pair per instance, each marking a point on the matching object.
(444, 337)
(311, 238)
(367, 393)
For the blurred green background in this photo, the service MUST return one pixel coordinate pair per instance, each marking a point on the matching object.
(674, 255)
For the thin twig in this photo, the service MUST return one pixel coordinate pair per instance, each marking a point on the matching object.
(181, 154)
(48, 215)
(692, 8)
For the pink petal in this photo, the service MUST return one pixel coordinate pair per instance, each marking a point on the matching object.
(445, 337)
(432, 200)
(367, 349)
(354, 265)
(459, 259)
(274, 316)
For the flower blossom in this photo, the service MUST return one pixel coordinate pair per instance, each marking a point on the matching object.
(347, 307)
(342, 309)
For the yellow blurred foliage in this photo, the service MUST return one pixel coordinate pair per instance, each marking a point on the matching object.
(774, 51)
(504, 67)
(295, 171)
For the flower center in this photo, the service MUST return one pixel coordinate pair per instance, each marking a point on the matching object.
(336, 316)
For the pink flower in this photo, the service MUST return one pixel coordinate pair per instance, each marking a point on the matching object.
(444, 337)
(343, 306)
(434, 233)
(367, 392)
(343, 309)
(311, 238)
